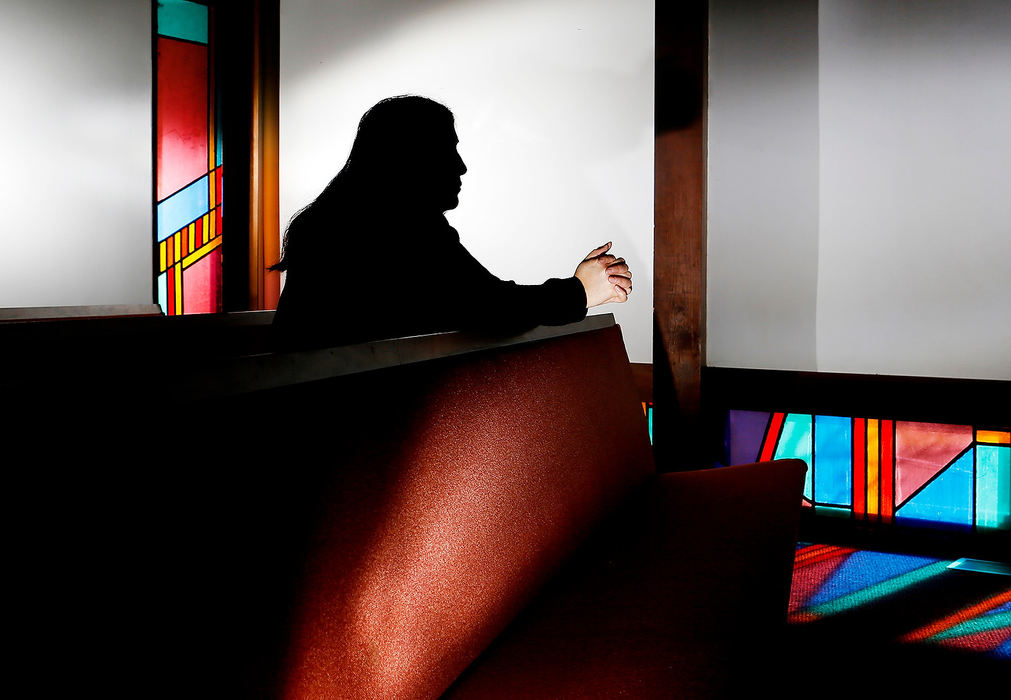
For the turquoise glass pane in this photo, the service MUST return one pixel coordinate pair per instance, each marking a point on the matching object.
(993, 486)
(833, 446)
(182, 20)
(947, 500)
(186, 205)
(795, 443)
(218, 138)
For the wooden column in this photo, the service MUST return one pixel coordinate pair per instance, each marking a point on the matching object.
(264, 249)
(679, 244)
(247, 60)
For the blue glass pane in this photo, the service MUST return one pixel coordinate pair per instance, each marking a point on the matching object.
(186, 205)
(795, 443)
(833, 445)
(993, 486)
(945, 501)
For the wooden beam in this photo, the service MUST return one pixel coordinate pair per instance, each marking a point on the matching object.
(679, 270)
(247, 61)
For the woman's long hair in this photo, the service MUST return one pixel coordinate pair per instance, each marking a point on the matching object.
(391, 137)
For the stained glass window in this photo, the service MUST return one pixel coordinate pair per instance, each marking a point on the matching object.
(188, 171)
(905, 472)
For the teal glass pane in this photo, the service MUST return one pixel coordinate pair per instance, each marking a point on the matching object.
(795, 443)
(993, 486)
(833, 458)
(947, 500)
(186, 205)
(833, 511)
(218, 137)
(182, 20)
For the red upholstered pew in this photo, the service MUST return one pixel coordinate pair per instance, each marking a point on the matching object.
(433, 516)
(495, 527)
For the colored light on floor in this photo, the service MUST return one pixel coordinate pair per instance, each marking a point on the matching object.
(947, 623)
(878, 591)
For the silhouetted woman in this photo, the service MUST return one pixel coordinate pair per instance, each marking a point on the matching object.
(374, 257)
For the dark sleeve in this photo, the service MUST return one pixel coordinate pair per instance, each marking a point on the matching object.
(483, 301)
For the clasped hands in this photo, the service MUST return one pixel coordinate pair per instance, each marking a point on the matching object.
(605, 278)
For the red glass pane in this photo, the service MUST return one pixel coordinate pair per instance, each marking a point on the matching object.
(922, 450)
(181, 128)
(202, 285)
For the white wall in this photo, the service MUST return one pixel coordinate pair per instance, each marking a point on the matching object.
(75, 139)
(554, 108)
(860, 213)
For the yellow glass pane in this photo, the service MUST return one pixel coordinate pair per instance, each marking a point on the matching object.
(162, 253)
(205, 233)
(873, 466)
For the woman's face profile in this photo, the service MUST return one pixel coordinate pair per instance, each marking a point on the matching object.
(437, 171)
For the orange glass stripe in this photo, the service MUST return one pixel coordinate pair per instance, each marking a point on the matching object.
(873, 453)
(993, 437)
(214, 224)
(212, 182)
(961, 616)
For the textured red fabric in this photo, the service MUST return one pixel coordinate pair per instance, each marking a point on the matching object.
(455, 501)
(680, 595)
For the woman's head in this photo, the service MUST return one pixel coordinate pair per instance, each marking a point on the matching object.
(404, 158)
(405, 150)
